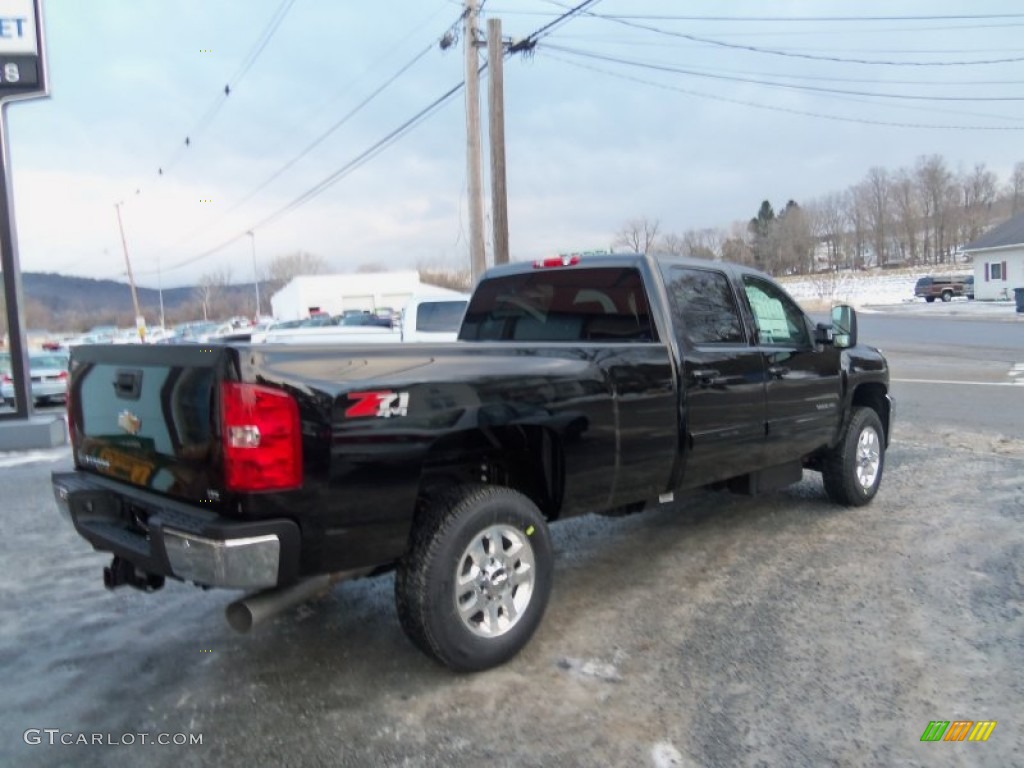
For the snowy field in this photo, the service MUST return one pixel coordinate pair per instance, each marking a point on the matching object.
(890, 291)
(868, 288)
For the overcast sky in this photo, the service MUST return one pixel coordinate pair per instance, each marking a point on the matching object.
(601, 124)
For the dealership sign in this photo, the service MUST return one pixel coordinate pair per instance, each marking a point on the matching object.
(22, 66)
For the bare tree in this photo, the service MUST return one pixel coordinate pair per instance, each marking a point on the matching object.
(210, 288)
(935, 183)
(638, 235)
(906, 218)
(672, 244)
(1017, 188)
(856, 218)
(978, 193)
(284, 268)
(703, 243)
(735, 247)
(827, 225)
(875, 194)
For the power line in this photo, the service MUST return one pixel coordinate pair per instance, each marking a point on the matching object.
(312, 145)
(834, 79)
(986, 47)
(789, 19)
(333, 178)
(784, 19)
(771, 84)
(379, 146)
(261, 43)
(218, 102)
(776, 108)
(528, 42)
(798, 55)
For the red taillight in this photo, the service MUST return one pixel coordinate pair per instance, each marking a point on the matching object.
(261, 438)
(63, 375)
(6, 379)
(557, 261)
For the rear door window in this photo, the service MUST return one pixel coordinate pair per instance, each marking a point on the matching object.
(564, 305)
(703, 307)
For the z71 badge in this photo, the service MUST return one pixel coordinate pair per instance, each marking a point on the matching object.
(383, 405)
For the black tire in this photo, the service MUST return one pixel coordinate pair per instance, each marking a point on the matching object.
(454, 531)
(929, 299)
(947, 295)
(852, 471)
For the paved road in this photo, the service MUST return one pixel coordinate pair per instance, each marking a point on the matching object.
(951, 375)
(942, 332)
(725, 630)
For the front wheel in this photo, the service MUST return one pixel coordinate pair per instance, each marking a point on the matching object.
(929, 299)
(947, 295)
(852, 470)
(473, 587)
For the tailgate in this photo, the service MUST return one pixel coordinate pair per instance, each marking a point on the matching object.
(147, 415)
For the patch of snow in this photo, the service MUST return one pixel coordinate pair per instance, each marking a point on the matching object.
(665, 755)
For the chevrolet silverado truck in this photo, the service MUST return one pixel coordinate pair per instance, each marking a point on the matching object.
(578, 384)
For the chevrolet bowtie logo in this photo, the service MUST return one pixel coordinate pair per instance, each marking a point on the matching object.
(129, 422)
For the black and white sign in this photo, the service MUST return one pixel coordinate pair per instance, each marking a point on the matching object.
(22, 68)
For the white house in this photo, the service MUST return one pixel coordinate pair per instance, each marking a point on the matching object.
(310, 294)
(999, 260)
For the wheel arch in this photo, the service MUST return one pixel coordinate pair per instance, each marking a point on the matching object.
(873, 395)
(526, 458)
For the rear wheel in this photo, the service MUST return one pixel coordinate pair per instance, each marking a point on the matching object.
(947, 295)
(929, 299)
(852, 470)
(473, 587)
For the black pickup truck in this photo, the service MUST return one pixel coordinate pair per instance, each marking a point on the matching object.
(578, 384)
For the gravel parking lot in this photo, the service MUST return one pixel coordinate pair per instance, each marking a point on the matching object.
(724, 630)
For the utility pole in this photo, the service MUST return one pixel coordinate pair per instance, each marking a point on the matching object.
(496, 127)
(478, 259)
(255, 274)
(160, 288)
(140, 323)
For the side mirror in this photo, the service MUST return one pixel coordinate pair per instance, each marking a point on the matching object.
(844, 326)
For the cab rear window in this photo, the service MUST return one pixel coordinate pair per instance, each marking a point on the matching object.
(440, 316)
(563, 305)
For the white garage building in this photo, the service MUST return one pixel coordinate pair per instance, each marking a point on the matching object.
(370, 291)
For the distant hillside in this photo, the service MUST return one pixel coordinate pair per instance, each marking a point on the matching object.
(59, 303)
(62, 303)
(60, 293)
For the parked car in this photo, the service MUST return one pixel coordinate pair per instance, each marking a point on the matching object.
(49, 377)
(366, 319)
(969, 287)
(943, 287)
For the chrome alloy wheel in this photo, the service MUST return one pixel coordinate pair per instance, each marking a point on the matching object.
(869, 458)
(494, 580)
